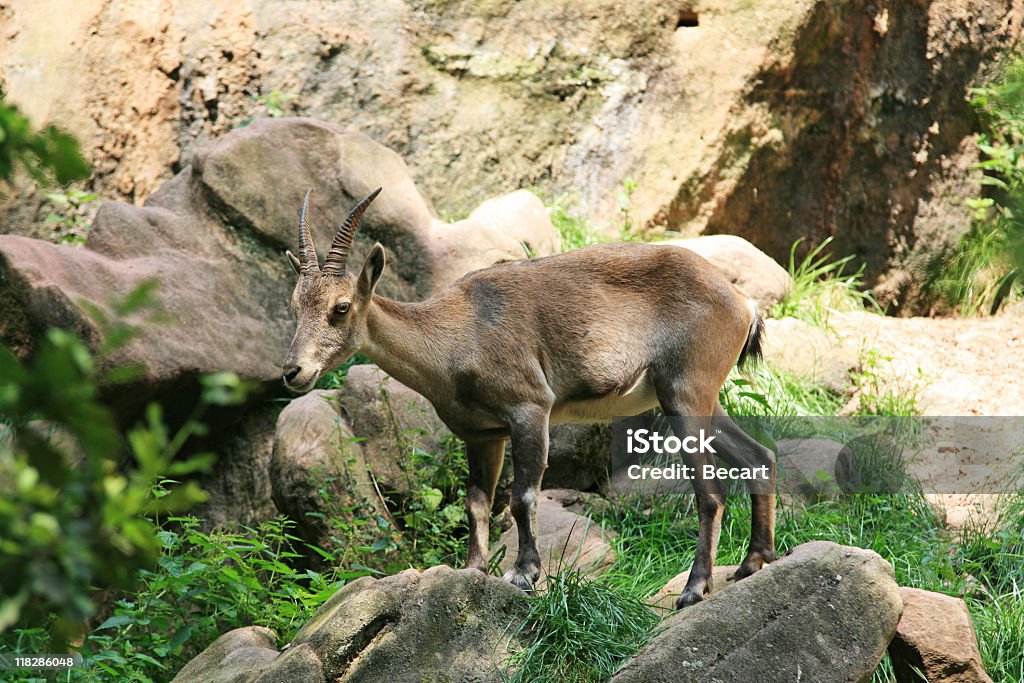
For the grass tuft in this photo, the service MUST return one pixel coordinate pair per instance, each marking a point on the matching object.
(822, 285)
(580, 631)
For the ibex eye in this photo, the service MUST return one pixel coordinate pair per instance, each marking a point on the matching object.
(341, 308)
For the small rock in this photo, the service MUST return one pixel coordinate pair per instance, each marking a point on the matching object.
(936, 637)
(665, 599)
(506, 228)
(317, 471)
(391, 420)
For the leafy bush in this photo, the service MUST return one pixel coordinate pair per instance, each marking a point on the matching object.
(984, 269)
(204, 585)
(49, 156)
(72, 519)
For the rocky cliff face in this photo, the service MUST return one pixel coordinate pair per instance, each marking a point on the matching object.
(768, 120)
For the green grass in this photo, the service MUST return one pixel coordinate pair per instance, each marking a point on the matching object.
(580, 631)
(767, 390)
(822, 285)
(655, 541)
(574, 230)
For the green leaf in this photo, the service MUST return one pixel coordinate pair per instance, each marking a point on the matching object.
(116, 621)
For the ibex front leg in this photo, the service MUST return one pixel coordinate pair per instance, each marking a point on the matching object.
(485, 459)
(529, 458)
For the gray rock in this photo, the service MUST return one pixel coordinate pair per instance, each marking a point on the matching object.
(296, 665)
(811, 353)
(239, 484)
(936, 637)
(238, 656)
(824, 613)
(391, 421)
(745, 265)
(440, 624)
(564, 538)
(317, 471)
(579, 456)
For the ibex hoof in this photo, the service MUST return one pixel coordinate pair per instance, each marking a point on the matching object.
(751, 564)
(519, 580)
(688, 598)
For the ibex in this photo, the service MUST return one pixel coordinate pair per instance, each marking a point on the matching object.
(606, 330)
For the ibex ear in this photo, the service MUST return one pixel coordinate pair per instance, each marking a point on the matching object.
(294, 260)
(373, 268)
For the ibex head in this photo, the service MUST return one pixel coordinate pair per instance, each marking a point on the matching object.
(330, 304)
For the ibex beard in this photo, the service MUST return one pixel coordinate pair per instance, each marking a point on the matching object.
(603, 331)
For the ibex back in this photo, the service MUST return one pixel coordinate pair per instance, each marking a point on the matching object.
(603, 331)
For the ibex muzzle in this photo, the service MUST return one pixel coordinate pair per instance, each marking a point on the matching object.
(607, 330)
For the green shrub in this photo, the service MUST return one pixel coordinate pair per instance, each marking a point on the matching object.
(72, 519)
(984, 269)
(49, 156)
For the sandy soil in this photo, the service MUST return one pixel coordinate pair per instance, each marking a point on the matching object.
(960, 367)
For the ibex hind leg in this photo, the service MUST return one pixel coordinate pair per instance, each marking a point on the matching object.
(529, 459)
(741, 450)
(689, 413)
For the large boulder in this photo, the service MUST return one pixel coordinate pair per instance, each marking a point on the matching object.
(439, 624)
(236, 657)
(249, 655)
(318, 472)
(767, 120)
(824, 613)
(214, 235)
(745, 265)
(240, 485)
(436, 625)
(935, 637)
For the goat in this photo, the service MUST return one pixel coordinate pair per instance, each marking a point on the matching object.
(606, 330)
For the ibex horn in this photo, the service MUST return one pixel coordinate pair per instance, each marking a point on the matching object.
(337, 257)
(307, 252)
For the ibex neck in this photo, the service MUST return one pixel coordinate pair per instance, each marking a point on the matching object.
(405, 341)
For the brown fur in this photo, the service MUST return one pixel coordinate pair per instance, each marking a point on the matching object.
(607, 330)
